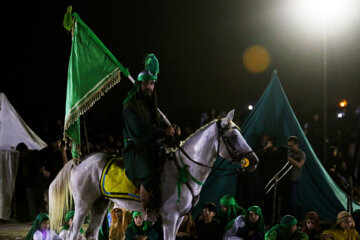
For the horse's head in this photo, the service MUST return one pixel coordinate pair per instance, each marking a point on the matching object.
(232, 144)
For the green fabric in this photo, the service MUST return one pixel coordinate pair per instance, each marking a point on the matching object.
(183, 177)
(36, 225)
(92, 71)
(151, 69)
(68, 216)
(68, 19)
(228, 201)
(259, 226)
(141, 129)
(298, 235)
(233, 210)
(283, 229)
(135, 214)
(216, 187)
(146, 230)
(273, 116)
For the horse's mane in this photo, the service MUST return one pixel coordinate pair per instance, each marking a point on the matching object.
(203, 128)
(197, 131)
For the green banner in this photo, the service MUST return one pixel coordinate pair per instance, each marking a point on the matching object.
(93, 70)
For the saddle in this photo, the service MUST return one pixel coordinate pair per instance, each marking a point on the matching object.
(115, 184)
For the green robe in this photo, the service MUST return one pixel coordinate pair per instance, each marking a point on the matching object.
(142, 132)
(275, 235)
(132, 230)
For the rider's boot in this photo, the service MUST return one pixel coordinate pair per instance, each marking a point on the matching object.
(145, 197)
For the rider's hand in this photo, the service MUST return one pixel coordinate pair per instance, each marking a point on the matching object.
(177, 130)
(170, 132)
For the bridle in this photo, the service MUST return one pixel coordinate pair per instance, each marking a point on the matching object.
(230, 148)
(234, 153)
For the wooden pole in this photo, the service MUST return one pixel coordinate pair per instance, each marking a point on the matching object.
(86, 136)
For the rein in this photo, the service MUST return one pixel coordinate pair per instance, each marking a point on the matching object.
(185, 174)
(228, 146)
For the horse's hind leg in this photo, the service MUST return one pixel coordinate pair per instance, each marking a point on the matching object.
(98, 212)
(80, 213)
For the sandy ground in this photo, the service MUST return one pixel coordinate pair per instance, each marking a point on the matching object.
(12, 231)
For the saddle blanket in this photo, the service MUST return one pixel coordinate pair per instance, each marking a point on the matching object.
(115, 184)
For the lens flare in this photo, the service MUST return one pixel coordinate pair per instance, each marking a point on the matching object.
(256, 59)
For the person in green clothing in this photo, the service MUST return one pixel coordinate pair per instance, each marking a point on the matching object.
(286, 230)
(68, 222)
(40, 229)
(247, 227)
(139, 229)
(230, 209)
(144, 130)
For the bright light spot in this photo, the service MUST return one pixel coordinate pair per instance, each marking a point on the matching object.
(250, 107)
(329, 13)
(343, 103)
(340, 115)
(256, 59)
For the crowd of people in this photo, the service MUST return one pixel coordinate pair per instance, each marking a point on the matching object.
(229, 221)
(37, 169)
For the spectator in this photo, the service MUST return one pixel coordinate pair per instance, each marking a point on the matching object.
(140, 229)
(68, 223)
(311, 225)
(52, 158)
(344, 229)
(40, 229)
(229, 210)
(267, 156)
(31, 178)
(207, 226)
(297, 159)
(248, 227)
(286, 230)
(187, 229)
(120, 219)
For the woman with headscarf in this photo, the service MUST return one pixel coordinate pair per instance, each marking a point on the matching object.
(140, 229)
(68, 223)
(40, 229)
(249, 227)
(229, 210)
(120, 219)
(344, 229)
(286, 230)
(311, 225)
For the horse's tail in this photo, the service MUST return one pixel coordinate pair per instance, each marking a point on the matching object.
(60, 198)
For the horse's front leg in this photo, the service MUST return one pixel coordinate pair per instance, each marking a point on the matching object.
(169, 229)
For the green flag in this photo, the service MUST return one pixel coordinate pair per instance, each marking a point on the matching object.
(93, 70)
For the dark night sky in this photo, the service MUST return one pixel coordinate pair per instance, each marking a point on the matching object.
(199, 44)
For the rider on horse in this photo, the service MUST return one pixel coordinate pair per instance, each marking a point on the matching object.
(144, 130)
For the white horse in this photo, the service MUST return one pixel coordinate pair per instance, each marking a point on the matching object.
(199, 151)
